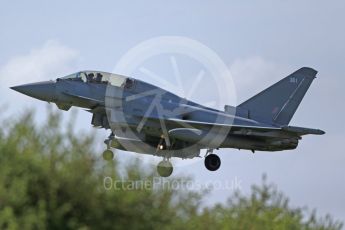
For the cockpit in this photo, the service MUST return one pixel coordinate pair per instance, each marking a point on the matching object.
(101, 78)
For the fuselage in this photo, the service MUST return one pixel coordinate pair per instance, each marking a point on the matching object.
(132, 101)
(147, 119)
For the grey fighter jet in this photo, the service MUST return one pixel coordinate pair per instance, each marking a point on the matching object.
(147, 119)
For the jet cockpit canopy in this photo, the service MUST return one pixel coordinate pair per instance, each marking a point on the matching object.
(98, 77)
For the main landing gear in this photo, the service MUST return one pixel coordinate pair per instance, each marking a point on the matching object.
(212, 161)
(108, 154)
(165, 168)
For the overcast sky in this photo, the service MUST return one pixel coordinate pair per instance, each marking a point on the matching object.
(260, 42)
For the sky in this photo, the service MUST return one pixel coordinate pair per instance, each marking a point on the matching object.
(260, 42)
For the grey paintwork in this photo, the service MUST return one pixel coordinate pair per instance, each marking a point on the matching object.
(260, 123)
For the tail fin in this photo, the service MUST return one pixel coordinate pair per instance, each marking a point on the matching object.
(278, 103)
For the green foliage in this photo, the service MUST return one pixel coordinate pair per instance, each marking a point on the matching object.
(266, 208)
(51, 178)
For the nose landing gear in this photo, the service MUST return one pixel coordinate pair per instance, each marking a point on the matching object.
(108, 154)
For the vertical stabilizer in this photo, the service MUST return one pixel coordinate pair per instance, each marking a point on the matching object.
(278, 103)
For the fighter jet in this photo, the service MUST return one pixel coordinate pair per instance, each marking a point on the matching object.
(144, 118)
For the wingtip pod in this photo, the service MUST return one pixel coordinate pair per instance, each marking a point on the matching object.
(303, 131)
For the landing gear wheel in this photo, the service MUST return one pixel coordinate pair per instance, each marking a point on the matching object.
(212, 162)
(108, 155)
(165, 168)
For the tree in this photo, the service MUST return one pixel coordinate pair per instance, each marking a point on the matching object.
(50, 178)
(266, 208)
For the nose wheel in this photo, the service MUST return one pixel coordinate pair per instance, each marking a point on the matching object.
(108, 154)
(165, 168)
(212, 162)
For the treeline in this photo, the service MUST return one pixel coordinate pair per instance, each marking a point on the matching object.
(51, 178)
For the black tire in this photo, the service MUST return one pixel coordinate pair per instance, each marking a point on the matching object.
(212, 162)
(165, 168)
(108, 155)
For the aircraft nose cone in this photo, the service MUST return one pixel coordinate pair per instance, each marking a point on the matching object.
(44, 91)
